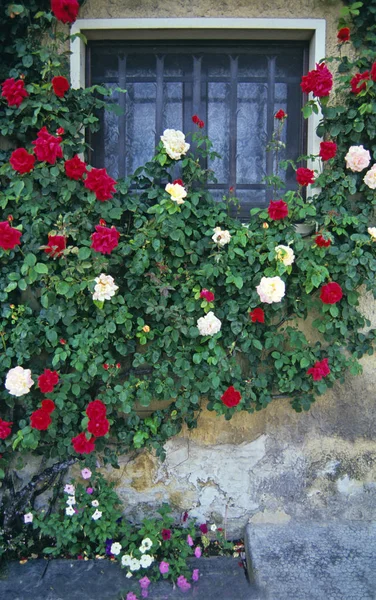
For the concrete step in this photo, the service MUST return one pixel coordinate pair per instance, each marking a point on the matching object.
(313, 561)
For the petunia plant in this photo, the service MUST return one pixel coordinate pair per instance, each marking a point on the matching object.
(145, 293)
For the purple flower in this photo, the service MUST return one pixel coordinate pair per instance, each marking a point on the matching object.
(89, 490)
(131, 596)
(204, 528)
(198, 552)
(195, 574)
(183, 584)
(108, 544)
(164, 567)
(144, 583)
(86, 473)
(144, 593)
(189, 540)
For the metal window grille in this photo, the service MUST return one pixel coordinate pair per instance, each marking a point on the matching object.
(235, 88)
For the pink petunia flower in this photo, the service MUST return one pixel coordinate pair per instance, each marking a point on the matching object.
(189, 540)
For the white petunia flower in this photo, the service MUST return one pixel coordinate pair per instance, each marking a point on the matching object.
(146, 560)
(69, 511)
(357, 158)
(147, 543)
(95, 503)
(28, 518)
(285, 254)
(71, 500)
(271, 289)
(69, 489)
(221, 236)
(134, 565)
(174, 143)
(209, 325)
(370, 178)
(97, 515)
(372, 232)
(126, 560)
(177, 192)
(18, 381)
(115, 548)
(105, 287)
(213, 527)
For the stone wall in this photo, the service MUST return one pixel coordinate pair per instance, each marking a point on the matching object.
(274, 465)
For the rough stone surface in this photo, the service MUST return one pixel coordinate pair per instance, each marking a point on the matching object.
(313, 561)
(221, 579)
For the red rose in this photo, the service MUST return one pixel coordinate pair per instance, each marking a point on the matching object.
(75, 168)
(40, 419)
(22, 161)
(48, 406)
(280, 114)
(14, 91)
(201, 124)
(373, 72)
(305, 176)
(257, 315)
(100, 183)
(83, 446)
(65, 10)
(178, 181)
(319, 370)
(195, 119)
(328, 150)
(209, 296)
(204, 528)
(106, 366)
(60, 131)
(47, 146)
(331, 293)
(96, 410)
(56, 245)
(9, 236)
(231, 397)
(322, 242)
(166, 534)
(343, 35)
(319, 81)
(356, 86)
(62, 341)
(60, 85)
(5, 429)
(278, 210)
(105, 239)
(47, 381)
(98, 428)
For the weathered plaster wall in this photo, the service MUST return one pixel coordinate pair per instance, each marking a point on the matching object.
(275, 465)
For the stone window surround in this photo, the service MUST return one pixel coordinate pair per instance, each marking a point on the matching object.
(313, 30)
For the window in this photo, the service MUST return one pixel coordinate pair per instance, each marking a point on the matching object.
(235, 87)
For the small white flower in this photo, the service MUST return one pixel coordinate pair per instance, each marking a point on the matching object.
(95, 503)
(177, 192)
(147, 543)
(105, 287)
(357, 158)
(213, 527)
(221, 236)
(97, 515)
(146, 560)
(370, 178)
(271, 289)
(28, 518)
(115, 548)
(126, 560)
(71, 500)
(18, 381)
(129, 575)
(285, 254)
(174, 143)
(69, 511)
(134, 565)
(69, 489)
(209, 325)
(372, 232)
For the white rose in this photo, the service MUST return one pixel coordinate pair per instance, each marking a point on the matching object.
(126, 560)
(370, 178)
(18, 381)
(115, 548)
(177, 192)
(69, 511)
(285, 254)
(105, 287)
(134, 565)
(372, 232)
(146, 560)
(221, 236)
(174, 143)
(97, 515)
(271, 289)
(209, 325)
(213, 527)
(357, 158)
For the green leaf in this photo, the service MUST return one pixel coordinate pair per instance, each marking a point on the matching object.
(84, 253)
(62, 287)
(41, 268)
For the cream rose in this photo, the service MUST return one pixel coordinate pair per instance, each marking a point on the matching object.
(105, 288)
(209, 325)
(18, 381)
(177, 192)
(372, 232)
(174, 143)
(357, 158)
(285, 254)
(370, 178)
(221, 236)
(271, 289)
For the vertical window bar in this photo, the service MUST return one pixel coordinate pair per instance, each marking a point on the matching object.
(196, 102)
(233, 118)
(122, 65)
(270, 119)
(159, 98)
